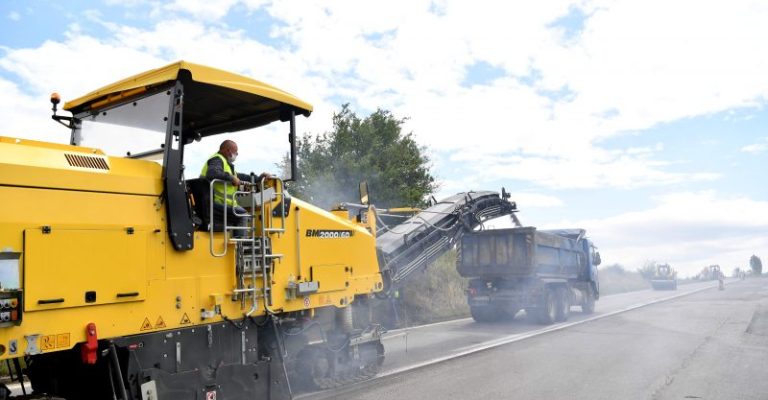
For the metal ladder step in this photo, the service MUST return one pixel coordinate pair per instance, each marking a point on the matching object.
(240, 240)
(254, 258)
(249, 291)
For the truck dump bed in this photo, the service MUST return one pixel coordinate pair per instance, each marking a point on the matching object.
(523, 252)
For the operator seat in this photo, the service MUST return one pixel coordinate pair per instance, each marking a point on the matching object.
(199, 189)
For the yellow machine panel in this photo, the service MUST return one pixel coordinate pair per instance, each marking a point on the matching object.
(333, 277)
(58, 275)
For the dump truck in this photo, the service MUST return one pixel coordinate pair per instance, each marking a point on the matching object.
(119, 281)
(544, 272)
(664, 278)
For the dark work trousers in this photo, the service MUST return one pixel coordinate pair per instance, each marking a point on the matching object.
(232, 219)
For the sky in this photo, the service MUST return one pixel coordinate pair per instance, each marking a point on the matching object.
(643, 122)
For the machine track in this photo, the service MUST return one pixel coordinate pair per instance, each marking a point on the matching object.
(315, 367)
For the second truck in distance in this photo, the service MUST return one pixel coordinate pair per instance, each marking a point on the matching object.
(541, 272)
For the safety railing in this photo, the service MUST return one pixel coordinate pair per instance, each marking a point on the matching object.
(254, 258)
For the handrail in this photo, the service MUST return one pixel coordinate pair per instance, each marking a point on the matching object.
(265, 212)
(265, 274)
(211, 218)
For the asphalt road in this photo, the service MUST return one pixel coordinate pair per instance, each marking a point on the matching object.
(643, 345)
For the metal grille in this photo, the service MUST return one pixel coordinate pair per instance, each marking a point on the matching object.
(76, 160)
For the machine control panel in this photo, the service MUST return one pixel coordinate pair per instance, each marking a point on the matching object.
(10, 308)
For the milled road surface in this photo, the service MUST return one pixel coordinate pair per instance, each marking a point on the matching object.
(707, 345)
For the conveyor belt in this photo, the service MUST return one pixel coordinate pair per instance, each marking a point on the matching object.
(412, 245)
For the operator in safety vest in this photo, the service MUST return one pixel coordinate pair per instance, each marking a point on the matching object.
(222, 166)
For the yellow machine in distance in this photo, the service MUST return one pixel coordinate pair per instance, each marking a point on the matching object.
(116, 280)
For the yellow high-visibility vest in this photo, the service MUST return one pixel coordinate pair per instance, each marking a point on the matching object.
(218, 187)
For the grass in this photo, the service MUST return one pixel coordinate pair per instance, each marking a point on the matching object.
(616, 279)
(4, 375)
(435, 295)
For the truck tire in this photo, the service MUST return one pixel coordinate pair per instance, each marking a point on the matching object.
(547, 313)
(588, 303)
(563, 305)
(484, 314)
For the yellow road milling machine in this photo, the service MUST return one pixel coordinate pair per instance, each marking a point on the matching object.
(117, 280)
(664, 278)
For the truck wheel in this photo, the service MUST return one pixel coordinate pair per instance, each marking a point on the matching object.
(483, 314)
(548, 310)
(588, 304)
(563, 305)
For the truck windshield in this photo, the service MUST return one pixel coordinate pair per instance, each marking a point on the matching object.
(134, 129)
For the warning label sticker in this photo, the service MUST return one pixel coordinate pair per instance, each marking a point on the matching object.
(159, 324)
(47, 342)
(306, 302)
(62, 340)
(185, 320)
(146, 325)
(50, 342)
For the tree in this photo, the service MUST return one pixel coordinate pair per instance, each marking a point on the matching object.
(617, 269)
(756, 264)
(372, 149)
(648, 270)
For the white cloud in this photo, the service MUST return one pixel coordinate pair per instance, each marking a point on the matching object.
(756, 148)
(203, 9)
(587, 168)
(644, 77)
(526, 200)
(689, 230)
(411, 57)
(52, 67)
(685, 65)
(14, 16)
(635, 65)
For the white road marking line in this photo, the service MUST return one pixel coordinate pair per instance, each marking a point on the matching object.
(522, 336)
(400, 331)
(502, 341)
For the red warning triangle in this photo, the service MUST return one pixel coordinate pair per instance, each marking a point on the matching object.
(185, 320)
(146, 325)
(160, 324)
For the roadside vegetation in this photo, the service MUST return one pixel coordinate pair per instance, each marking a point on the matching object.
(373, 149)
(435, 295)
(756, 264)
(617, 279)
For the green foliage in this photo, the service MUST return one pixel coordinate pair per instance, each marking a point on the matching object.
(648, 270)
(756, 264)
(4, 371)
(616, 279)
(372, 149)
(435, 295)
(710, 272)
